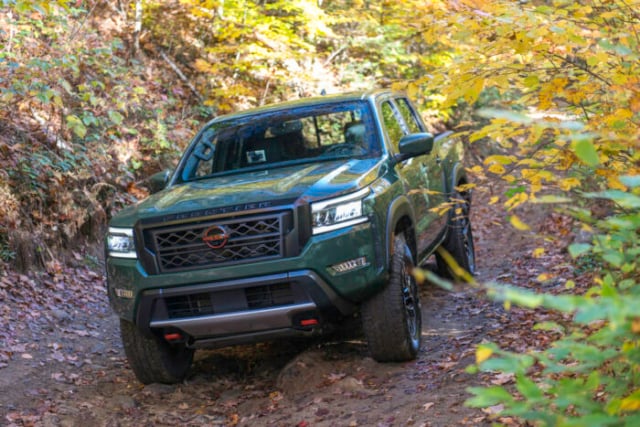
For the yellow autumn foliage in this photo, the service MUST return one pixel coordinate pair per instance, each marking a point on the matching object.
(517, 223)
(483, 353)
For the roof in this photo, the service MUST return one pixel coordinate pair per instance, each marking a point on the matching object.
(303, 102)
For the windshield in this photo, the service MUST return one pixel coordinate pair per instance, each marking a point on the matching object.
(270, 140)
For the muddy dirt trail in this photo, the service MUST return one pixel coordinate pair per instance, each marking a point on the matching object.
(63, 364)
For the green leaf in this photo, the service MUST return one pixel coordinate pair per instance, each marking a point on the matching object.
(586, 152)
(617, 48)
(624, 199)
(629, 222)
(513, 364)
(532, 81)
(578, 249)
(115, 117)
(437, 280)
(548, 326)
(632, 181)
(593, 380)
(76, 125)
(590, 311)
(614, 258)
(488, 396)
(66, 85)
(523, 298)
(564, 303)
(528, 388)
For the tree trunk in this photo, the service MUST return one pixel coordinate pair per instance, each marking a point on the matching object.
(137, 26)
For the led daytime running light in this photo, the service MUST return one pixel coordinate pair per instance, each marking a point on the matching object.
(340, 212)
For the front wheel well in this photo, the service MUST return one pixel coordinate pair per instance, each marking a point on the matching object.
(405, 226)
(464, 192)
(459, 190)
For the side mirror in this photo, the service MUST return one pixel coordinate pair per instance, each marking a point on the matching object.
(414, 145)
(158, 181)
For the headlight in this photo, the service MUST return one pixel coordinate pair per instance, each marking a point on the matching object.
(340, 212)
(120, 243)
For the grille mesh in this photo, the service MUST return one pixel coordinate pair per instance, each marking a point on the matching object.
(182, 247)
(189, 305)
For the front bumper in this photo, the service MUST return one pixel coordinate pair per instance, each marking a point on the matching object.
(250, 302)
(239, 311)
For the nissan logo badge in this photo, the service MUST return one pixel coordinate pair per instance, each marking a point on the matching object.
(215, 237)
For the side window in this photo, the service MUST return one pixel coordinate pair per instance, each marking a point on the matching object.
(408, 115)
(392, 125)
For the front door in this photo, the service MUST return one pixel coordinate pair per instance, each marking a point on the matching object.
(422, 176)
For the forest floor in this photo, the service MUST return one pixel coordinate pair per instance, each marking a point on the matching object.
(62, 363)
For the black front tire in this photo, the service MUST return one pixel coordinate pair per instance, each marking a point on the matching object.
(392, 319)
(459, 240)
(152, 359)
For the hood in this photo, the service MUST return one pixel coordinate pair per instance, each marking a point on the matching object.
(282, 185)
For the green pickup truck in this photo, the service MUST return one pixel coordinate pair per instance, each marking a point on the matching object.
(284, 221)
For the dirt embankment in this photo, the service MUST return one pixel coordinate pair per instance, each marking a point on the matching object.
(62, 364)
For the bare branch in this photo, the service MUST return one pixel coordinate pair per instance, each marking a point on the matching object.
(181, 75)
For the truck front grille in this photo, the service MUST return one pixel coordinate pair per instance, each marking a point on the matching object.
(213, 243)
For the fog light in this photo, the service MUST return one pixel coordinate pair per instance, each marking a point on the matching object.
(352, 264)
(123, 293)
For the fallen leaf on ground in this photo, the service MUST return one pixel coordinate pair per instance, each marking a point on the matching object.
(427, 406)
(502, 378)
(492, 410)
